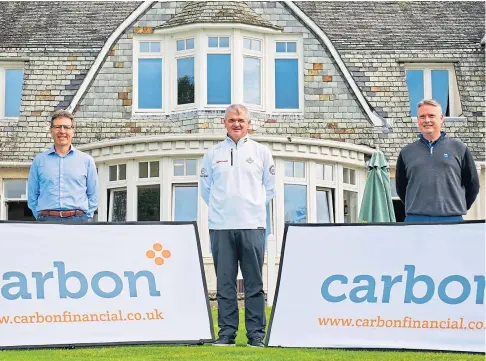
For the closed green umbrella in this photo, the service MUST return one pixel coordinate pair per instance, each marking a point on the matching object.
(377, 205)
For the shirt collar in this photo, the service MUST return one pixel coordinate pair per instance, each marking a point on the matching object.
(53, 150)
(442, 135)
(241, 141)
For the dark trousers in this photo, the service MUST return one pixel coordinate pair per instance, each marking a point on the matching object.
(418, 218)
(246, 246)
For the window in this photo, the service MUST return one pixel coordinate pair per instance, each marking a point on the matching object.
(117, 201)
(117, 172)
(185, 71)
(286, 75)
(212, 67)
(148, 169)
(295, 203)
(148, 69)
(350, 206)
(349, 176)
(324, 206)
(252, 71)
(325, 172)
(148, 203)
(185, 167)
(15, 189)
(185, 202)
(11, 82)
(436, 81)
(294, 169)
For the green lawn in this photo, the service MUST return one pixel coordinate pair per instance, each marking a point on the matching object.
(210, 353)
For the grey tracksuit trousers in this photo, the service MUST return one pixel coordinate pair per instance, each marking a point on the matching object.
(246, 247)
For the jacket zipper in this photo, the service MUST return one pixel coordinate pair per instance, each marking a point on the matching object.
(231, 156)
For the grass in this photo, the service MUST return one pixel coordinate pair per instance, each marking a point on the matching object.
(210, 353)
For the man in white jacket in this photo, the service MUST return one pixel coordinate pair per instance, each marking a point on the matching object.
(237, 180)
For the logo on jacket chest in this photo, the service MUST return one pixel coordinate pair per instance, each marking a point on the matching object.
(249, 160)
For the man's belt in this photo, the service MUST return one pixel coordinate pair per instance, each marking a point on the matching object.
(61, 214)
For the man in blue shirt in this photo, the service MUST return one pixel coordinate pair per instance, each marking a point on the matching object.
(63, 183)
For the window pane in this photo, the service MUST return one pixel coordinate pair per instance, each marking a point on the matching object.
(252, 80)
(224, 42)
(213, 42)
(15, 188)
(350, 206)
(440, 89)
(295, 203)
(189, 44)
(280, 47)
(219, 78)
(185, 81)
(352, 176)
(119, 212)
(415, 85)
(155, 47)
(148, 203)
(180, 45)
(286, 84)
(154, 169)
(323, 214)
(299, 170)
(191, 166)
(144, 47)
(256, 45)
(13, 94)
(320, 171)
(143, 170)
(291, 47)
(122, 172)
(268, 227)
(247, 44)
(289, 168)
(178, 167)
(346, 175)
(328, 172)
(113, 173)
(150, 83)
(185, 208)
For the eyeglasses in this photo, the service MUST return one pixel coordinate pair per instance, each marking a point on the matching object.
(59, 127)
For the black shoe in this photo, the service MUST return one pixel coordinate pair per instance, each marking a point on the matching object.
(255, 342)
(224, 341)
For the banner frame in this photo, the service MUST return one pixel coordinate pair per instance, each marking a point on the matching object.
(282, 257)
(129, 343)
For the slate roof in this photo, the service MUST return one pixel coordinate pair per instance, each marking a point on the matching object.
(400, 24)
(67, 24)
(232, 12)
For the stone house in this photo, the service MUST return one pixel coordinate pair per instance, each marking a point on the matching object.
(326, 84)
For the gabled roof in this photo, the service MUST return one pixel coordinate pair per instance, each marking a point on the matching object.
(67, 24)
(399, 24)
(211, 12)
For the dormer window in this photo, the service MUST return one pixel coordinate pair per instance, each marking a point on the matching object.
(211, 67)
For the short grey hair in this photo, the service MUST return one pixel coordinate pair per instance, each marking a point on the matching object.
(238, 108)
(61, 113)
(432, 102)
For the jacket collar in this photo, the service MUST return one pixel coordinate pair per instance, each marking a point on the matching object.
(429, 143)
(242, 140)
(53, 150)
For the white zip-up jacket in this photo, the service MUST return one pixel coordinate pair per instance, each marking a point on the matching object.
(236, 182)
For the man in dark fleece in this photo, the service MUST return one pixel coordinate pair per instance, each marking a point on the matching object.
(436, 176)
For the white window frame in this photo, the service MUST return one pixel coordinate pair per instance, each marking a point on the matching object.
(200, 34)
(137, 55)
(3, 67)
(185, 176)
(454, 96)
(184, 183)
(298, 181)
(299, 55)
(179, 54)
(330, 203)
(149, 179)
(118, 181)
(112, 190)
(257, 55)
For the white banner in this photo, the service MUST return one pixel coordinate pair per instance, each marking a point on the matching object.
(101, 284)
(388, 286)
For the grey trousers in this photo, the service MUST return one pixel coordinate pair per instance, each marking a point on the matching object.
(246, 246)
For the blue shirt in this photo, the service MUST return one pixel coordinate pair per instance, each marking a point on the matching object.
(63, 182)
